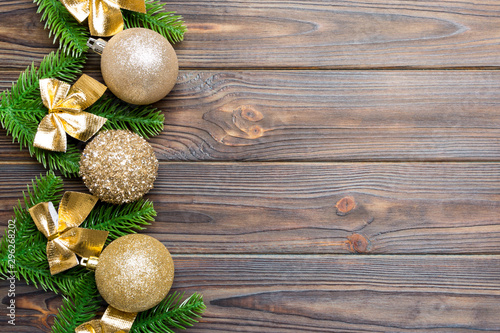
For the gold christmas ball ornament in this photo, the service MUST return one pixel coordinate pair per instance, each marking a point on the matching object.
(139, 66)
(134, 273)
(118, 166)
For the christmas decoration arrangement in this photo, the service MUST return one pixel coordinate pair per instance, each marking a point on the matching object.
(49, 242)
(23, 109)
(87, 248)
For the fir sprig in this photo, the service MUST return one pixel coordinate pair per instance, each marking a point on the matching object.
(54, 65)
(30, 245)
(72, 36)
(120, 220)
(31, 256)
(78, 308)
(168, 24)
(81, 297)
(171, 313)
(21, 110)
(146, 120)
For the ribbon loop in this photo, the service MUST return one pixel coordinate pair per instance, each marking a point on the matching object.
(112, 321)
(65, 104)
(105, 17)
(65, 239)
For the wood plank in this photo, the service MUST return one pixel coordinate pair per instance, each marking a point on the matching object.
(333, 116)
(324, 294)
(35, 309)
(380, 208)
(301, 34)
(324, 116)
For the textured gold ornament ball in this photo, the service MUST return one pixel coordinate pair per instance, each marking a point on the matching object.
(139, 66)
(134, 273)
(118, 166)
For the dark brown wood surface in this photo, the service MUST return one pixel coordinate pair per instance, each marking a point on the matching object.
(311, 293)
(325, 116)
(298, 208)
(303, 34)
(326, 166)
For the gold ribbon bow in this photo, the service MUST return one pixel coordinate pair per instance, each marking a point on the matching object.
(64, 237)
(105, 17)
(65, 104)
(112, 321)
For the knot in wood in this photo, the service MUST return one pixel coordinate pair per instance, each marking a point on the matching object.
(345, 205)
(255, 131)
(358, 243)
(249, 113)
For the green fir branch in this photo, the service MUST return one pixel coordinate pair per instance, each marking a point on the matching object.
(79, 307)
(54, 65)
(21, 109)
(43, 189)
(120, 220)
(72, 35)
(30, 245)
(68, 163)
(81, 297)
(170, 314)
(31, 256)
(166, 23)
(146, 121)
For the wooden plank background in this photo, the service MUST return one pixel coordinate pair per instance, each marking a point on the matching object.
(326, 166)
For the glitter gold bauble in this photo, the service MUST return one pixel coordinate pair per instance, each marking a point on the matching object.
(139, 66)
(134, 273)
(118, 166)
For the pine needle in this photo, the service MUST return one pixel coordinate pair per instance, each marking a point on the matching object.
(31, 255)
(79, 307)
(21, 109)
(120, 220)
(165, 23)
(77, 285)
(144, 120)
(72, 36)
(170, 314)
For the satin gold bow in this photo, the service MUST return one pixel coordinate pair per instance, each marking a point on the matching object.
(65, 104)
(64, 237)
(112, 321)
(105, 17)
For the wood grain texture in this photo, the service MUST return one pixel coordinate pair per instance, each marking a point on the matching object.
(322, 294)
(324, 116)
(297, 208)
(311, 178)
(301, 34)
(35, 309)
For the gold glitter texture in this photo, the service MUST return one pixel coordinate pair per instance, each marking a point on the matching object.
(118, 166)
(139, 66)
(134, 273)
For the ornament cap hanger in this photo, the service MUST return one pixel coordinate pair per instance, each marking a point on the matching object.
(90, 263)
(96, 45)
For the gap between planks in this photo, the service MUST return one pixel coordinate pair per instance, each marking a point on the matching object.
(305, 162)
(326, 255)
